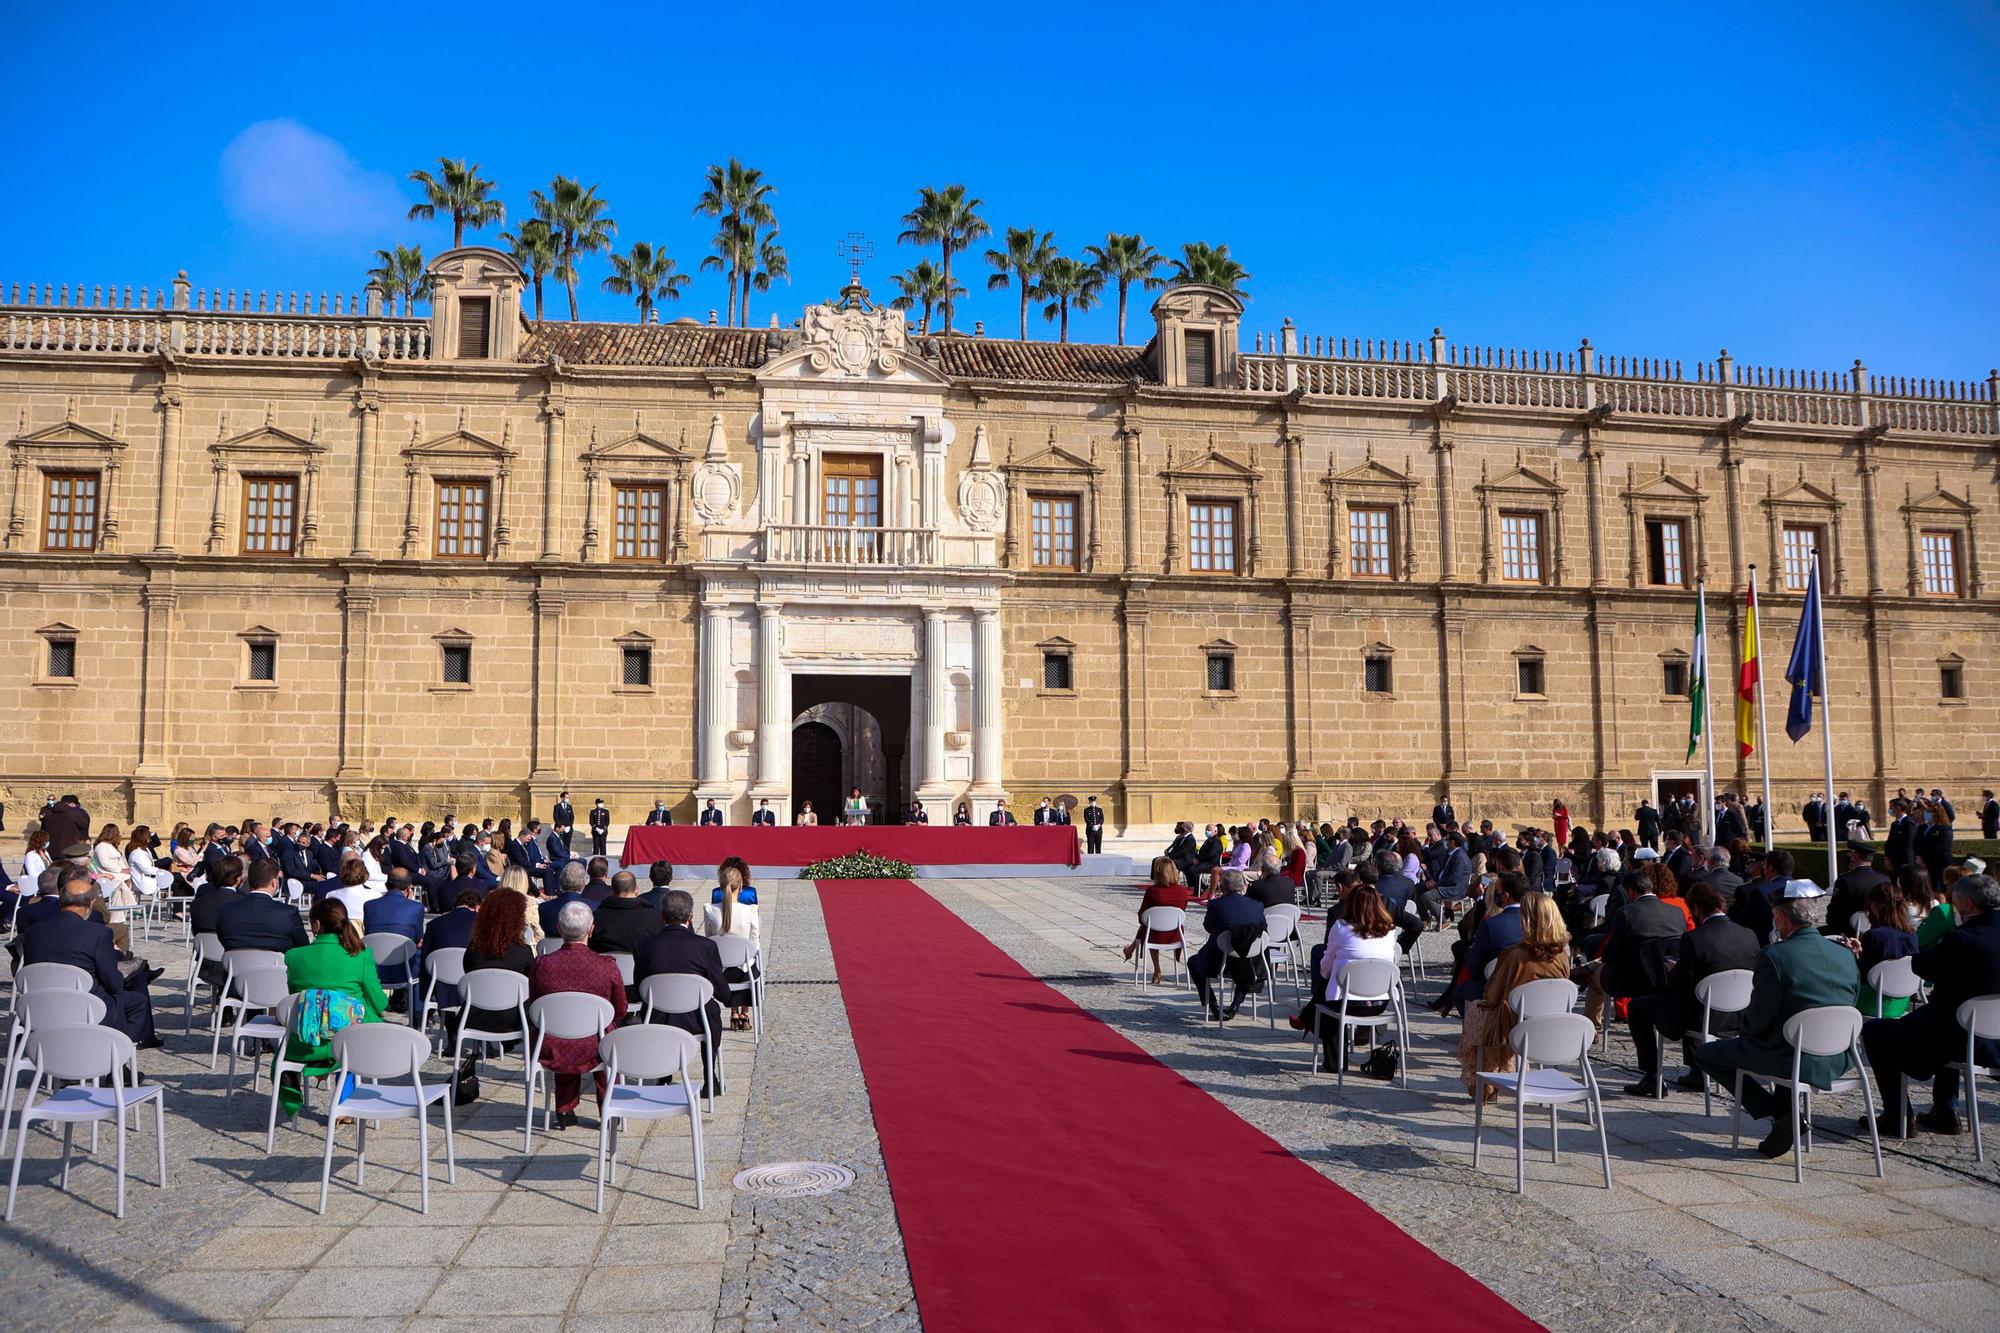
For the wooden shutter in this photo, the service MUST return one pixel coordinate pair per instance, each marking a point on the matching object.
(1201, 359)
(474, 314)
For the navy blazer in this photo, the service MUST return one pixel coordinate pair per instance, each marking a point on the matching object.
(1228, 913)
(255, 850)
(762, 817)
(402, 854)
(209, 900)
(526, 853)
(212, 857)
(292, 860)
(661, 817)
(564, 815)
(259, 921)
(1962, 965)
(552, 907)
(80, 942)
(453, 930)
(1497, 933)
(36, 911)
(675, 951)
(711, 817)
(327, 857)
(393, 914)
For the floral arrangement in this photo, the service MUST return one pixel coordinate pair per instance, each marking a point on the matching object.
(863, 864)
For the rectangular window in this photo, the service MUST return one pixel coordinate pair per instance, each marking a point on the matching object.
(1951, 680)
(1800, 542)
(1201, 358)
(1052, 531)
(1528, 675)
(1666, 552)
(270, 515)
(263, 661)
(851, 490)
(639, 528)
(1211, 537)
(1376, 677)
(474, 315)
(457, 664)
(62, 659)
(638, 666)
(1371, 542)
(1674, 679)
(461, 520)
(1940, 552)
(71, 512)
(1055, 671)
(1520, 546)
(1221, 673)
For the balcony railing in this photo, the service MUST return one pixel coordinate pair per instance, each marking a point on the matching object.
(797, 544)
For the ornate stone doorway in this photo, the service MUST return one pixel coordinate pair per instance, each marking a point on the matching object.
(869, 717)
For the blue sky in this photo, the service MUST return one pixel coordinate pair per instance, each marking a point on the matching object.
(1803, 186)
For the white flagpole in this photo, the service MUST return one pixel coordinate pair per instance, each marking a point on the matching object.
(1708, 713)
(1763, 749)
(1833, 835)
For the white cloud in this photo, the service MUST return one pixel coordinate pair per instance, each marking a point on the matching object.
(281, 175)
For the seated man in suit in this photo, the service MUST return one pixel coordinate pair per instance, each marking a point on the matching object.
(1045, 813)
(1499, 930)
(763, 816)
(1001, 814)
(659, 878)
(395, 913)
(1642, 935)
(257, 918)
(214, 852)
(526, 850)
(659, 814)
(711, 815)
(624, 921)
(678, 950)
(71, 936)
(1398, 890)
(597, 888)
(452, 930)
(1182, 851)
(569, 889)
(1962, 965)
(1272, 887)
(1232, 922)
(1452, 882)
(218, 890)
(1803, 970)
(1716, 944)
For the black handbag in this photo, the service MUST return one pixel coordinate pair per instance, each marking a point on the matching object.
(1383, 1061)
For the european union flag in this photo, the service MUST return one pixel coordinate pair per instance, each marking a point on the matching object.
(1803, 670)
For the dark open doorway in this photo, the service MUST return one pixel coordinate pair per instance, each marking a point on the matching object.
(816, 769)
(875, 712)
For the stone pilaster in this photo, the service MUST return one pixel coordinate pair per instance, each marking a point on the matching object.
(989, 664)
(932, 786)
(774, 710)
(168, 396)
(711, 716)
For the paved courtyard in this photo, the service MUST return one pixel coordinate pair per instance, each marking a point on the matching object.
(1692, 1236)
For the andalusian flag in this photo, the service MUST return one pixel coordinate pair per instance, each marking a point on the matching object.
(1746, 684)
(1698, 678)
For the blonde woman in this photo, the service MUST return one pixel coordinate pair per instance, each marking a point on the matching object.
(1542, 953)
(515, 878)
(732, 910)
(113, 875)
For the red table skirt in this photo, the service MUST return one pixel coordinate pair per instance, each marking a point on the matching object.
(919, 844)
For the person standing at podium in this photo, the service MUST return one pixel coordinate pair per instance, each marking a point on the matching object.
(1093, 826)
(763, 816)
(857, 807)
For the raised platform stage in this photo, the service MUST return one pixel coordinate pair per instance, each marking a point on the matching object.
(937, 851)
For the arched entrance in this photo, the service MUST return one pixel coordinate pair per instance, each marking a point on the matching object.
(869, 716)
(816, 770)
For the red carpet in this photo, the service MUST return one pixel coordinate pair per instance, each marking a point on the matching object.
(1049, 1174)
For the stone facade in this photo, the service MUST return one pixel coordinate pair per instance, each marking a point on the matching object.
(1446, 569)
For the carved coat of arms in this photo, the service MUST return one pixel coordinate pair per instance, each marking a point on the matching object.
(850, 341)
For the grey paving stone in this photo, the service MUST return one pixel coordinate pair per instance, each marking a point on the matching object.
(616, 1289)
(527, 1246)
(1962, 1304)
(540, 1289)
(264, 1247)
(356, 1291)
(1822, 1311)
(1864, 1262)
(398, 1247)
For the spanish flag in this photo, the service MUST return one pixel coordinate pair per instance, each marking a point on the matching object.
(1746, 683)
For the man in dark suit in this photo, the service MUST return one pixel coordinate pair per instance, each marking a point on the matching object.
(218, 890)
(1093, 826)
(563, 818)
(1715, 870)
(71, 936)
(659, 814)
(1850, 891)
(214, 853)
(1182, 851)
(624, 921)
(1272, 887)
(1044, 813)
(600, 827)
(1209, 855)
(292, 857)
(763, 816)
(1444, 814)
(1989, 815)
(444, 888)
(1899, 844)
(1751, 906)
(326, 853)
(401, 853)
(675, 951)
(1843, 815)
(66, 824)
(1397, 890)
(1001, 815)
(1233, 921)
(1634, 961)
(396, 913)
(1729, 822)
(570, 887)
(256, 844)
(1803, 970)
(1452, 880)
(1963, 965)
(45, 904)
(659, 878)
(256, 918)
(598, 887)
(711, 815)
(1499, 930)
(450, 930)
(1716, 944)
(1814, 814)
(527, 851)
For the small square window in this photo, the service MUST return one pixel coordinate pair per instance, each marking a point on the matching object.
(458, 664)
(1951, 680)
(638, 667)
(1221, 673)
(1674, 678)
(62, 659)
(1528, 676)
(263, 661)
(1056, 671)
(1376, 676)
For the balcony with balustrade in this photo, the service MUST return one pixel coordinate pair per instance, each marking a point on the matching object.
(830, 546)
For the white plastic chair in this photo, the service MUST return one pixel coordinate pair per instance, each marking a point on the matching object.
(446, 968)
(1253, 952)
(1831, 1029)
(496, 990)
(236, 965)
(741, 953)
(207, 949)
(674, 993)
(260, 993)
(1893, 979)
(1545, 1041)
(49, 976)
(95, 1060)
(280, 1066)
(548, 944)
(1364, 980)
(646, 1051)
(1161, 921)
(397, 951)
(372, 1052)
(567, 1014)
(1281, 928)
(1538, 999)
(1979, 1016)
(49, 1008)
(627, 970)
(1718, 993)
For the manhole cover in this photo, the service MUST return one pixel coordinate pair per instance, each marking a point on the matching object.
(793, 1180)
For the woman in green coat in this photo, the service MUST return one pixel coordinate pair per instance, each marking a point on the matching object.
(337, 985)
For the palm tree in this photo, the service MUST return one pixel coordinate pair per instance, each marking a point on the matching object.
(949, 220)
(576, 218)
(1124, 260)
(534, 249)
(923, 285)
(643, 275)
(1021, 263)
(1202, 262)
(400, 272)
(737, 194)
(771, 264)
(1073, 284)
(460, 191)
